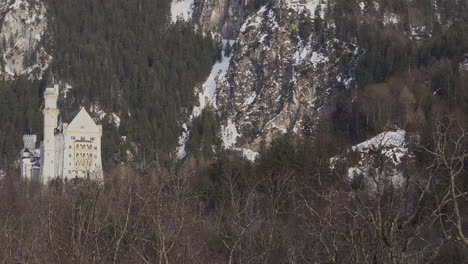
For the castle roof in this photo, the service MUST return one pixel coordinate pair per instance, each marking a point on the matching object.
(72, 116)
(80, 120)
(28, 132)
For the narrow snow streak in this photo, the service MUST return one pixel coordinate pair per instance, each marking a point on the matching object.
(207, 95)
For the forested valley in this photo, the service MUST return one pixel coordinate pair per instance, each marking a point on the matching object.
(296, 202)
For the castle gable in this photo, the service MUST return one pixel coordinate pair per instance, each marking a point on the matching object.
(82, 121)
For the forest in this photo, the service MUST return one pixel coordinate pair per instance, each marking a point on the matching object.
(291, 205)
(288, 207)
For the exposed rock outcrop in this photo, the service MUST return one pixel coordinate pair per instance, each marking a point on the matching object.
(277, 76)
(221, 16)
(23, 24)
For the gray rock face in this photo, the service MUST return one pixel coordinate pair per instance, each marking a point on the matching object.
(23, 24)
(276, 77)
(222, 16)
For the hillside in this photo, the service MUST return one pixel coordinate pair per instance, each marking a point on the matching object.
(242, 131)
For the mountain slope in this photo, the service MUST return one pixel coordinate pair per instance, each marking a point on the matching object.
(292, 59)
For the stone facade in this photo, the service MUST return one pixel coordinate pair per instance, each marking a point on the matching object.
(70, 150)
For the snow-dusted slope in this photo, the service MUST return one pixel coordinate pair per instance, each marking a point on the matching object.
(278, 75)
(276, 78)
(207, 94)
(23, 27)
(273, 78)
(378, 161)
(181, 9)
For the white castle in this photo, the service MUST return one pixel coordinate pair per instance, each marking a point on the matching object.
(70, 150)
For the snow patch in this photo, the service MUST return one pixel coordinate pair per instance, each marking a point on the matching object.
(390, 19)
(254, 21)
(419, 32)
(393, 146)
(362, 6)
(306, 53)
(181, 9)
(376, 6)
(66, 90)
(113, 117)
(249, 154)
(229, 134)
(181, 152)
(207, 95)
(308, 5)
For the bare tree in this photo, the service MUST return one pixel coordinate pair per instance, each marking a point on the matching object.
(449, 165)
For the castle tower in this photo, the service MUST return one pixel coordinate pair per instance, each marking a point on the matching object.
(29, 141)
(50, 124)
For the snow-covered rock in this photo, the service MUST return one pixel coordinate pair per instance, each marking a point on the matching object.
(24, 23)
(223, 17)
(275, 78)
(378, 162)
(181, 9)
(390, 19)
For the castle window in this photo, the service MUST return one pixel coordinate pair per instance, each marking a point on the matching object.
(73, 138)
(69, 155)
(82, 127)
(95, 147)
(92, 139)
(83, 138)
(70, 147)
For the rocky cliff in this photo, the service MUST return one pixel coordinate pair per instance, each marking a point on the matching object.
(278, 75)
(222, 16)
(287, 61)
(23, 24)
(281, 69)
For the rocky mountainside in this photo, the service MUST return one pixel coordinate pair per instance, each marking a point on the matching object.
(276, 77)
(23, 24)
(281, 64)
(290, 58)
(222, 16)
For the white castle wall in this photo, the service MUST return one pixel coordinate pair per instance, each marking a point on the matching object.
(29, 142)
(50, 113)
(59, 153)
(73, 151)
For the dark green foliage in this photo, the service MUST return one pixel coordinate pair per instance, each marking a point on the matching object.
(451, 44)
(123, 56)
(20, 110)
(385, 55)
(204, 135)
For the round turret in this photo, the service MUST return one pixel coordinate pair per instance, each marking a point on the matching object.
(29, 141)
(26, 154)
